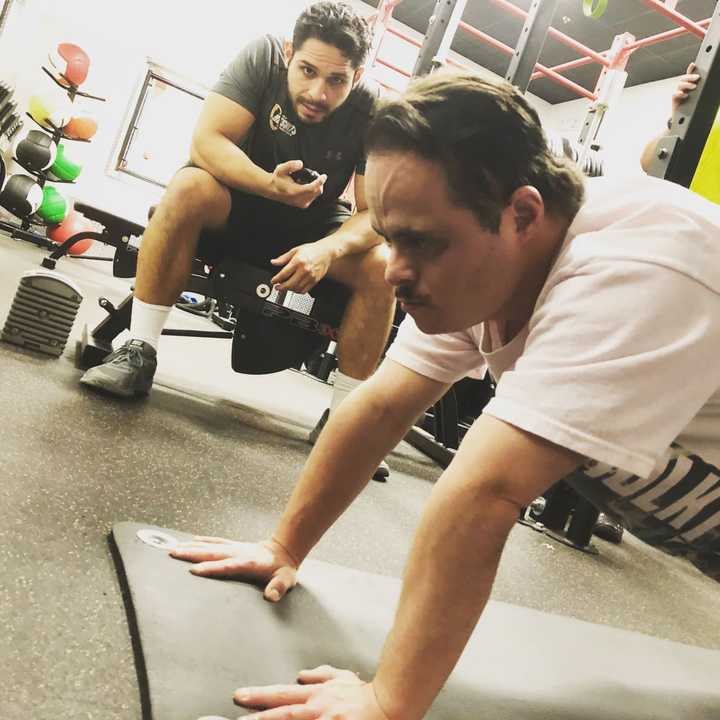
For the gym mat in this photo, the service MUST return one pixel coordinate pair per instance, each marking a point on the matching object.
(196, 640)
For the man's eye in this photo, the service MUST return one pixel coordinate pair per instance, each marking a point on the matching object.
(307, 72)
(339, 81)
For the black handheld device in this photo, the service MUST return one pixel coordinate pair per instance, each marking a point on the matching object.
(304, 176)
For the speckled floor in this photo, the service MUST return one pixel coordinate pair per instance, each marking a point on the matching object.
(214, 452)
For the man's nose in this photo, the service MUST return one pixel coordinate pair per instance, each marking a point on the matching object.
(318, 91)
(398, 271)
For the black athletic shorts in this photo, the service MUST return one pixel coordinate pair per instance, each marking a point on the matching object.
(258, 230)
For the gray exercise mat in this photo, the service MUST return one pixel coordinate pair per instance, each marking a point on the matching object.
(197, 640)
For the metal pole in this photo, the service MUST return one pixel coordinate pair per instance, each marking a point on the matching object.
(609, 85)
(674, 16)
(382, 21)
(552, 32)
(4, 13)
(530, 45)
(667, 35)
(678, 154)
(542, 70)
(441, 30)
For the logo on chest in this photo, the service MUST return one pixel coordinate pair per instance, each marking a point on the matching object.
(279, 121)
(333, 156)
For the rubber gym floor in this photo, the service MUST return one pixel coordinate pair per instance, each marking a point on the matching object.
(214, 452)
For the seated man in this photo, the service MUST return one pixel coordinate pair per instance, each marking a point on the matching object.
(275, 110)
(686, 85)
(594, 303)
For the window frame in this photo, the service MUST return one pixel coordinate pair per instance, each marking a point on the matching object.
(153, 71)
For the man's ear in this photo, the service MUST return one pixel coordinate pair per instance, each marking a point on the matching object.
(288, 51)
(358, 74)
(527, 207)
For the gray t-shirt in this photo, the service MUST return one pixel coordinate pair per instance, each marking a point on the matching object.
(257, 80)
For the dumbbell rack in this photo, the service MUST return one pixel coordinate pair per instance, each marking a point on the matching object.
(23, 231)
(10, 121)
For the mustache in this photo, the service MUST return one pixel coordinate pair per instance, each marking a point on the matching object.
(405, 294)
(316, 106)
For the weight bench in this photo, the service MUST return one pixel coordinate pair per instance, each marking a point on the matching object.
(117, 232)
(272, 330)
(196, 640)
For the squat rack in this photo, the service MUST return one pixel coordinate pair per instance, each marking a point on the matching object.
(446, 21)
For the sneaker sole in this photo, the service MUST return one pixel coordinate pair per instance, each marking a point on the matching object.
(106, 386)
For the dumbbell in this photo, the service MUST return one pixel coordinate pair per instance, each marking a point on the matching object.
(11, 125)
(8, 106)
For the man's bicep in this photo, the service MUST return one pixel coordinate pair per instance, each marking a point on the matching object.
(220, 115)
(512, 464)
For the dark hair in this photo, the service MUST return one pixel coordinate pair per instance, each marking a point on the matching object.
(337, 24)
(486, 137)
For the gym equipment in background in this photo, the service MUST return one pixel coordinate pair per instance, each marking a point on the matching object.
(71, 63)
(21, 195)
(43, 312)
(71, 227)
(41, 153)
(271, 331)
(35, 150)
(51, 110)
(10, 121)
(81, 127)
(63, 168)
(54, 206)
(197, 640)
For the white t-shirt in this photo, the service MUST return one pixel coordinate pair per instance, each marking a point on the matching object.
(620, 360)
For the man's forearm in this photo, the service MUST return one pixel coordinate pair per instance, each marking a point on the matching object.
(357, 437)
(446, 585)
(356, 235)
(228, 164)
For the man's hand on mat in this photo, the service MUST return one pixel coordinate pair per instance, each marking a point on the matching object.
(266, 563)
(285, 190)
(323, 693)
(305, 266)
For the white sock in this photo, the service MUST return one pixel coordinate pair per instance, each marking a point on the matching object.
(147, 322)
(343, 385)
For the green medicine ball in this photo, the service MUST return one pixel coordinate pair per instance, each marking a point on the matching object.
(54, 206)
(63, 168)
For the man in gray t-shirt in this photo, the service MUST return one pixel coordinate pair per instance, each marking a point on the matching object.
(277, 109)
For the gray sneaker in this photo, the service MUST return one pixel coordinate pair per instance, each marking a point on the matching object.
(127, 372)
(380, 475)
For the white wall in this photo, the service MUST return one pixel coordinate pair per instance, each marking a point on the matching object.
(119, 36)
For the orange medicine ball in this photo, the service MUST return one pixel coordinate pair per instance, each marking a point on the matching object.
(73, 224)
(81, 127)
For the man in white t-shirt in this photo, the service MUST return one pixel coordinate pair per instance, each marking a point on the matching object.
(599, 318)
